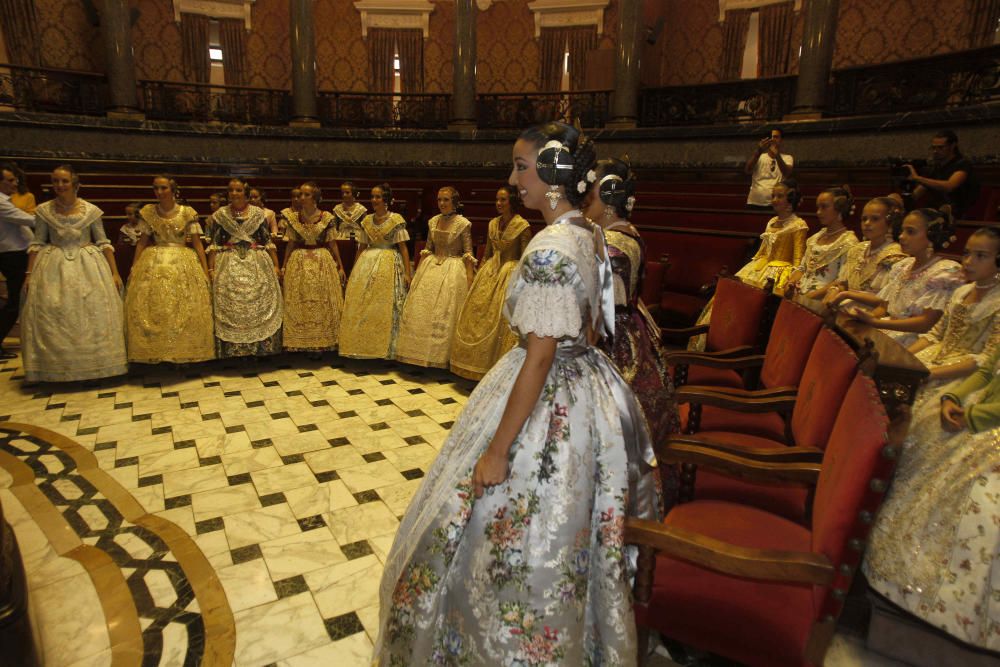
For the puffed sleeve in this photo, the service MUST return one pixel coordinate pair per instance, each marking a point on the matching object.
(547, 296)
(940, 287)
(992, 345)
(893, 282)
(936, 334)
(193, 226)
(99, 235)
(399, 233)
(41, 234)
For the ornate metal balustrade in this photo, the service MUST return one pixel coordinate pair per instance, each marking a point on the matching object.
(519, 110)
(170, 100)
(954, 79)
(52, 90)
(415, 110)
(726, 102)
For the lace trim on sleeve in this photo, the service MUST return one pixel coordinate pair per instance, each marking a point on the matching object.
(470, 258)
(35, 247)
(547, 310)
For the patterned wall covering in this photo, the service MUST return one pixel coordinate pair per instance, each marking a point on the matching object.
(269, 55)
(439, 48)
(506, 49)
(878, 32)
(156, 42)
(68, 39)
(341, 53)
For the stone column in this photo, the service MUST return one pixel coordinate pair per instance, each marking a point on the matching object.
(625, 104)
(818, 38)
(116, 30)
(302, 38)
(463, 94)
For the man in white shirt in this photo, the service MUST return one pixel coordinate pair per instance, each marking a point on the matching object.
(768, 166)
(15, 235)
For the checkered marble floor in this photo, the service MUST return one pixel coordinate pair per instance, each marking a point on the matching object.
(289, 474)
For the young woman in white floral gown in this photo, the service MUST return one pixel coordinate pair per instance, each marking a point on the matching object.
(512, 551)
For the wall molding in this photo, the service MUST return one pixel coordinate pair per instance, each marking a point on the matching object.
(729, 5)
(216, 9)
(568, 13)
(395, 14)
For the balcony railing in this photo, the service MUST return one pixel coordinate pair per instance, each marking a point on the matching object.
(519, 110)
(936, 82)
(52, 90)
(170, 100)
(726, 102)
(412, 110)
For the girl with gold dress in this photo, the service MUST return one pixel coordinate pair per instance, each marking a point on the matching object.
(868, 263)
(376, 290)
(826, 250)
(168, 305)
(482, 334)
(243, 265)
(439, 287)
(71, 321)
(313, 275)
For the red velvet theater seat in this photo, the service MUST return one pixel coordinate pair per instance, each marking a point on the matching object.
(829, 371)
(757, 588)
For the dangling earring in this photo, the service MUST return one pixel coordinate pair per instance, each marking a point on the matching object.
(929, 251)
(553, 196)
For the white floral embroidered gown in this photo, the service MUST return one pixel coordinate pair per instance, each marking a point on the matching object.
(536, 571)
(72, 322)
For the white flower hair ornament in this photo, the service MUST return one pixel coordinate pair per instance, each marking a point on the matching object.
(591, 176)
(630, 204)
(581, 187)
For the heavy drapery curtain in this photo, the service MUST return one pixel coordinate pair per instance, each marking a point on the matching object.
(983, 17)
(381, 49)
(554, 43)
(194, 48)
(19, 23)
(232, 34)
(734, 40)
(777, 22)
(411, 60)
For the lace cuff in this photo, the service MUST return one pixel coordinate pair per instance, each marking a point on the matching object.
(103, 244)
(425, 252)
(547, 310)
(270, 246)
(470, 258)
(35, 247)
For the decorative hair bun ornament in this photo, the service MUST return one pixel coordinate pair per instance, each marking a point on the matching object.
(554, 163)
(630, 204)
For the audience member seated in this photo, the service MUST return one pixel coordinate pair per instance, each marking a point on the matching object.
(826, 250)
(948, 179)
(935, 543)
(918, 288)
(867, 265)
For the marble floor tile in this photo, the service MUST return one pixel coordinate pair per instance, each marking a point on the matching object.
(156, 463)
(67, 613)
(299, 443)
(301, 553)
(282, 478)
(263, 430)
(361, 522)
(415, 456)
(173, 418)
(217, 445)
(182, 516)
(150, 444)
(319, 499)
(352, 651)
(260, 525)
(205, 478)
(222, 501)
(247, 584)
(334, 458)
(150, 497)
(369, 619)
(215, 546)
(377, 441)
(370, 476)
(248, 460)
(344, 587)
(102, 659)
(397, 496)
(302, 629)
(381, 544)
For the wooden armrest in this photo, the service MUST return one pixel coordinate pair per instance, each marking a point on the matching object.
(781, 454)
(737, 465)
(686, 332)
(713, 360)
(794, 567)
(732, 399)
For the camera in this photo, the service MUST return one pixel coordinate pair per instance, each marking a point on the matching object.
(900, 175)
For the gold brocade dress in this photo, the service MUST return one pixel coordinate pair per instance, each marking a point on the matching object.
(482, 334)
(822, 261)
(313, 292)
(376, 291)
(436, 295)
(782, 246)
(168, 304)
(866, 271)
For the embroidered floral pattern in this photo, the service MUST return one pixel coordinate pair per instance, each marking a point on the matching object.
(505, 534)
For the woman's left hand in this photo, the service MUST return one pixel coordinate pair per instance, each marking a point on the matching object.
(118, 282)
(490, 470)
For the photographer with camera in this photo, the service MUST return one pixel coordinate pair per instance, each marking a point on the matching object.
(768, 167)
(947, 179)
